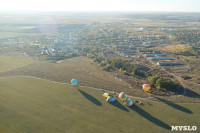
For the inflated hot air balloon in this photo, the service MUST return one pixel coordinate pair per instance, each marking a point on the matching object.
(110, 99)
(146, 87)
(105, 95)
(122, 96)
(128, 102)
(74, 81)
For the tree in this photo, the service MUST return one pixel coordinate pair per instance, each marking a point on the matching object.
(108, 61)
(152, 79)
(85, 49)
(120, 70)
(125, 72)
(107, 67)
(103, 63)
(90, 55)
(74, 54)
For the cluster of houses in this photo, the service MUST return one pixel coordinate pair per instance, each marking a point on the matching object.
(54, 51)
(15, 41)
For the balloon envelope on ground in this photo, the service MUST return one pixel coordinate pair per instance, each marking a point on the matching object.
(128, 102)
(74, 81)
(122, 96)
(110, 99)
(146, 87)
(105, 95)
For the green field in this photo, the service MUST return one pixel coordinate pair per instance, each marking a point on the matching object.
(84, 69)
(12, 61)
(39, 106)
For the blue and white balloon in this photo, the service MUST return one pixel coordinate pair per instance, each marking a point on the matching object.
(128, 102)
(110, 99)
(74, 81)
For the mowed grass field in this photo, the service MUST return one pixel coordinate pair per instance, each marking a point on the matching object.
(84, 69)
(11, 61)
(29, 105)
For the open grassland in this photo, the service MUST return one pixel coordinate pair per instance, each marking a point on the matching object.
(5, 35)
(85, 70)
(39, 106)
(11, 61)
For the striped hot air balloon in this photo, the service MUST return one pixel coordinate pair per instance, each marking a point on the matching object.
(122, 96)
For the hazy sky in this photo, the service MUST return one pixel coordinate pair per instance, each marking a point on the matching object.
(103, 5)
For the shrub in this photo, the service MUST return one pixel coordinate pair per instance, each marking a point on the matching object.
(167, 84)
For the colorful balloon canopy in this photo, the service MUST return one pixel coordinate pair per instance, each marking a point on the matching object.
(128, 102)
(105, 95)
(146, 87)
(110, 99)
(74, 81)
(122, 96)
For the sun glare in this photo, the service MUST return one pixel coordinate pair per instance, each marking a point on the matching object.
(101, 5)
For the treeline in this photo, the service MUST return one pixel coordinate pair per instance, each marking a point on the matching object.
(95, 57)
(124, 67)
(61, 57)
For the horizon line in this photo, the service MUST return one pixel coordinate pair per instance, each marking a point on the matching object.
(99, 11)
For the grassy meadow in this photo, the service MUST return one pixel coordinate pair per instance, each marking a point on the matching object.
(84, 69)
(5, 35)
(33, 105)
(9, 61)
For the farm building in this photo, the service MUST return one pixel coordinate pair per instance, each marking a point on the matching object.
(153, 55)
(164, 58)
(149, 43)
(164, 42)
(168, 63)
(120, 46)
(125, 53)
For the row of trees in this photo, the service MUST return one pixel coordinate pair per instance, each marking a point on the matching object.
(124, 67)
(95, 57)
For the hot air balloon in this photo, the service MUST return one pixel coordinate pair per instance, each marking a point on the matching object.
(128, 102)
(146, 87)
(74, 81)
(105, 95)
(110, 99)
(122, 96)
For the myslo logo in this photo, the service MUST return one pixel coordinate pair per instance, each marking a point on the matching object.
(183, 128)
